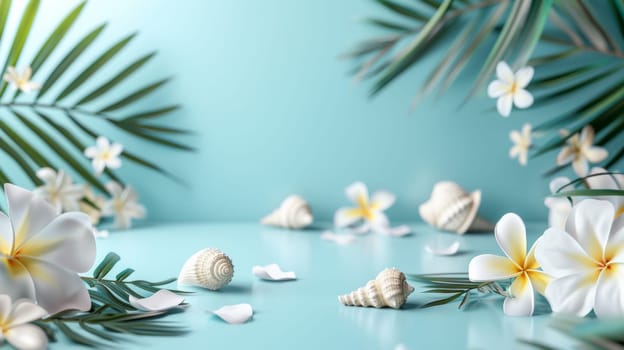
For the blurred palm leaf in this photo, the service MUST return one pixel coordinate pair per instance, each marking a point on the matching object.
(584, 56)
(61, 126)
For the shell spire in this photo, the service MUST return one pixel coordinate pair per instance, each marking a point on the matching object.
(388, 289)
(208, 268)
(293, 213)
(451, 208)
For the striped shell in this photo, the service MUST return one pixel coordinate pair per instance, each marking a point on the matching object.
(208, 268)
(388, 289)
(293, 213)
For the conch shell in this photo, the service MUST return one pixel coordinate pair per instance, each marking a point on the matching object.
(208, 268)
(388, 289)
(450, 208)
(293, 213)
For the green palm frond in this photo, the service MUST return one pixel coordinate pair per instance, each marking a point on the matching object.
(61, 114)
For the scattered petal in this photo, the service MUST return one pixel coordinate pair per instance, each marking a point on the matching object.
(398, 231)
(235, 314)
(159, 301)
(449, 250)
(273, 272)
(100, 233)
(341, 239)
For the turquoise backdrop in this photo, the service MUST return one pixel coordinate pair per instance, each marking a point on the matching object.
(275, 112)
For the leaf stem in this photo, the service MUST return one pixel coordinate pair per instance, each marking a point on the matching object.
(53, 106)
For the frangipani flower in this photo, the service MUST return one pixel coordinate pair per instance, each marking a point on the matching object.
(509, 88)
(21, 81)
(123, 205)
(608, 182)
(104, 155)
(558, 207)
(510, 234)
(59, 190)
(370, 211)
(15, 324)
(586, 261)
(579, 150)
(522, 143)
(42, 252)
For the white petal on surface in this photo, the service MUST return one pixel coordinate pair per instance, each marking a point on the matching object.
(523, 299)
(159, 301)
(510, 234)
(382, 200)
(25, 311)
(523, 76)
(235, 314)
(273, 272)
(609, 301)
(345, 217)
(504, 72)
(497, 88)
(379, 220)
(57, 289)
(340, 239)
(397, 231)
(27, 337)
(357, 192)
(523, 99)
(504, 104)
(488, 267)
(560, 255)
(573, 294)
(592, 220)
(67, 241)
(28, 213)
(444, 251)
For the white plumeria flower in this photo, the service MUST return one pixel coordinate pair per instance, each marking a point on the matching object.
(558, 207)
(104, 154)
(123, 205)
(509, 88)
(608, 182)
(41, 253)
(522, 143)
(370, 211)
(586, 261)
(21, 81)
(579, 150)
(59, 190)
(510, 234)
(15, 324)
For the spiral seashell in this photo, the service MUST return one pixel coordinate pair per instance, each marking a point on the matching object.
(293, 213)
(208, 268)
(388, 289)
(450, 208)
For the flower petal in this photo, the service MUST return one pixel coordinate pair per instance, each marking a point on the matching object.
(235, 314)
(443, 251)
(113, 163)
(573, 294)
(539, 280)
(24, 311)
(523, 300)
(382, 200)
(15, 280)
(523, 76)
(510, 234)
(159, 301)
(504, 73)
(560, 255)
(580, 166)
(28, 213)
(46, 174)
(5, 307)
(357, 193)
(27, 337)
(504, 104)
(497, 88)
(595, 154)
(340, 239)
(346, 216)
(488, 267)
(273, 272)
(6, 235)
(610, 292)
(102, 143)
(591, 222)
(397, 231)
(116, 149)
(558, 183)
(379, 221)
(523, 99)
(565, 156)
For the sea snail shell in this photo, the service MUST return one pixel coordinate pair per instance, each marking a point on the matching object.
(293, 213)
(208, 268)
(388, 289)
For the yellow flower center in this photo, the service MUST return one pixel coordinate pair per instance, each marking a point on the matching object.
(619, 212)
(365, 209)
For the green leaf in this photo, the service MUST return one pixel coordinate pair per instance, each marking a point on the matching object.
(75, 336)
(133, 96)
(106, 265)
(21, 162)
(588, 193)
(69, 59)
(157, 128)
(5, 6)
(442, 301)
(150, 114)
(94, 67)
(20, 38)
(124, 274)
(114, 81)
(532, 30)
(403, 10)
(382, 23)
(147, 136)
(37, 157)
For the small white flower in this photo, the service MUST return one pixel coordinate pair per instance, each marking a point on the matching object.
(509, 88)
(21, 81)
(558, 207)
(104, 154)
(510, 234)
(579, 150)
(59, 190)
(586, 261)
(41, 253)
(522, 143)
(123, 205)
(15, 324)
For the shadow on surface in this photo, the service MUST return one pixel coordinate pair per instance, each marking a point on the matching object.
(236, 289)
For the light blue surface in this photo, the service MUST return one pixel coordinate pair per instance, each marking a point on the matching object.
(305, 314)
(276, 113)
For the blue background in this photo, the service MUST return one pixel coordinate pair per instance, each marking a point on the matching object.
(275, 112)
